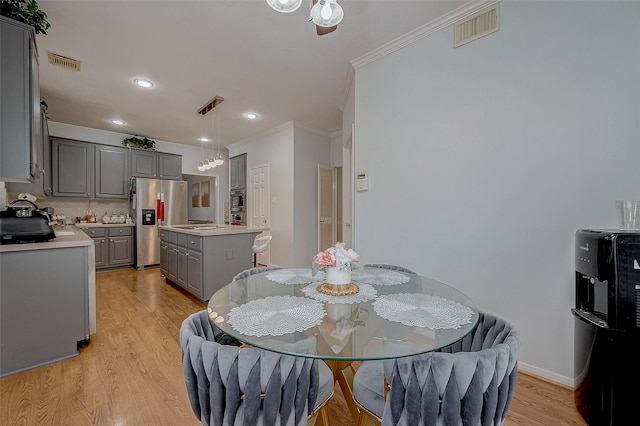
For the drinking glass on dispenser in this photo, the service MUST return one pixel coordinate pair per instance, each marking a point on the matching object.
(628, 214)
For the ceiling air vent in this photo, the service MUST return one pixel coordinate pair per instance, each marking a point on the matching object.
(63, 61)
(478, 25)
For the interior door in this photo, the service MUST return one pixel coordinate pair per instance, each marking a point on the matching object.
(326, 206)
(260, 206)
(348, 162)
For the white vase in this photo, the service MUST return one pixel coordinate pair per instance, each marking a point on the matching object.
(335, 275)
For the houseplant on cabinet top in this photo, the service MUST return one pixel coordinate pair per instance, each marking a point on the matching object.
(136, 142)
(27, 12)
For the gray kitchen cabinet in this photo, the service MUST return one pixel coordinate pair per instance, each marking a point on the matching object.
(169, 255)
(170, 166)
(190, 270)
(86, 170)
(41, 185)
(153, 164)
(164, 257)
(112, 172)
(72, 164)
(45, 306)
(99, 237)
(113, 246)
(120, 246)
(238, 171)
(20, 114)
(226, 255)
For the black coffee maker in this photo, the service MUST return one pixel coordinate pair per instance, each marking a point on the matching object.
(25, 224)
(607, 326)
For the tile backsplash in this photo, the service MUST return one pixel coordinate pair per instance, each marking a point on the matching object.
(75, 208)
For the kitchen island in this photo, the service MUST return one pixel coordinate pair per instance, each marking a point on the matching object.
(204, 258)
(47, 300)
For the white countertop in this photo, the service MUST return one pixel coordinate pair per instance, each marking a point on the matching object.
(103, 225)
(65, 237)
(220, 230)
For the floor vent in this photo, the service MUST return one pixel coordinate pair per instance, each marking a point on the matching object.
(63, 61)
(478, 25)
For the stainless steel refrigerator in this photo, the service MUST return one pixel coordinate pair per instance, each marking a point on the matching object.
(155, 202)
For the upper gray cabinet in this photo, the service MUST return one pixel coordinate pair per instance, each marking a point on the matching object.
(86, 170)
(155, 165)
(21, 130)
(41, 185)
(73, 162)
(238, 171)
(112, 172)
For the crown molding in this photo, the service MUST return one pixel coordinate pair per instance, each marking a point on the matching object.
(423, 31)
(351, 73)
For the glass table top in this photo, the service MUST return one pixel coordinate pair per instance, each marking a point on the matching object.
(341, 331)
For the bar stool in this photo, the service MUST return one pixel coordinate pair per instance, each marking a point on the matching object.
(260, 244)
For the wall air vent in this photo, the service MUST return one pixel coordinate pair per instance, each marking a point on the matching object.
(478, 25)
(217, 100)
(63, 61)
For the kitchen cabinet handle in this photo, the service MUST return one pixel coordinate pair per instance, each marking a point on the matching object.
(121, 231)
(186, 254)
(193, 242)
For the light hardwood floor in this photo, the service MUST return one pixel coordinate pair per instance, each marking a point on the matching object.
(131, 371)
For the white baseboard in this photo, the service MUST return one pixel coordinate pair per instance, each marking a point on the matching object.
(548, 375)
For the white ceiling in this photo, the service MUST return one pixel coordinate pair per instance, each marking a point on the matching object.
(257, 59)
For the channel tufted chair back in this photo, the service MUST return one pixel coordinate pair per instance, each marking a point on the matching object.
(469, 383)
(227, 385)
(391, 267)
(253, 271)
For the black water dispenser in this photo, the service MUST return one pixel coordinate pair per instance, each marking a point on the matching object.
(607, 326)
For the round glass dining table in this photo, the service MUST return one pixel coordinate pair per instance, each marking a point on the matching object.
(395, 314)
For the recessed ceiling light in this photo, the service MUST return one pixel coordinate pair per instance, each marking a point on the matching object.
(118, 122)
(143, 83)
(251, 115)
(203, 139)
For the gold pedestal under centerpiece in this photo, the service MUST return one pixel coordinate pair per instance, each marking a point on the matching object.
(338, 289)
(338, 283)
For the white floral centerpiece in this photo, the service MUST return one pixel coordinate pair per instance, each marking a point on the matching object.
(337, 262)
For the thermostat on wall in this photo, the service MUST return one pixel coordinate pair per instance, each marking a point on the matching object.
(362, 182)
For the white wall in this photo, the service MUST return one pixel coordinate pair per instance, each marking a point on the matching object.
(335, 150)
(275, 149)
(310, 149)
(190, 155)
(200, 212)
(484, 160)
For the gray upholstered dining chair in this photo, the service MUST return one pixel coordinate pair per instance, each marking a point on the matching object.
(253, 271)
(228, 385)
(470, 382)
(387, 266)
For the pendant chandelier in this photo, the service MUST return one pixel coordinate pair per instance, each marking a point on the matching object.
(324, 13)
(214, 160)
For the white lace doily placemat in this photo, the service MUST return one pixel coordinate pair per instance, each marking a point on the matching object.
(379, 276)
(366, 293)
(423, 310)
(276, 315)
(295, 276)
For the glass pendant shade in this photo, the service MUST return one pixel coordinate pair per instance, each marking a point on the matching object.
(285, 6)
(326, 13)
(201, 167)
(219, 160)
(212, 162)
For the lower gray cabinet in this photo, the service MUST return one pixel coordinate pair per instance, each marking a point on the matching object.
(113, 245)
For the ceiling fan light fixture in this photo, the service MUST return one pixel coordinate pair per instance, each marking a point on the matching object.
(285, 6)
(327, 13)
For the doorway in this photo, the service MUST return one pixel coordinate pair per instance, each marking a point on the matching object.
(260, 215)
(329, 206)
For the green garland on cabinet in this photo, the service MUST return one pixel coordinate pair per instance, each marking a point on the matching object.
(143, 143)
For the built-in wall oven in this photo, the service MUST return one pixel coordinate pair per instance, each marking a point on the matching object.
(237, 215)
